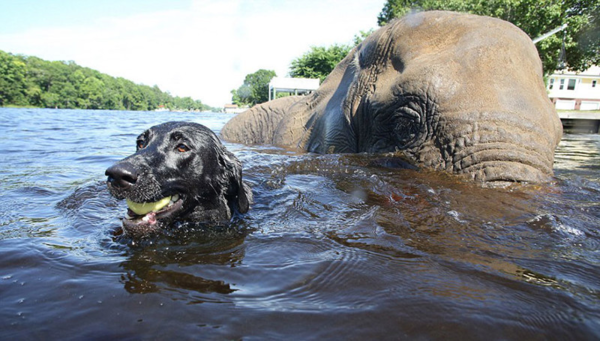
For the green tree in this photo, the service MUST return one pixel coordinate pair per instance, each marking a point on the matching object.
(31, 81)
(318, 62)
(242, 96)
(91, 92)
(535, 17)
(362, 35)
(66, 94)
(255, 89)
(12, 80)
(51, 100)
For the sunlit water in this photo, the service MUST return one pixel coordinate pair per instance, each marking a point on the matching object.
(334, 246)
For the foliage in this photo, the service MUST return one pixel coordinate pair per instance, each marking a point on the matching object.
(320, 61)
(362, 35)
(31, 81)
(535, 17)
(255, 89)
(12, 83)
(587, 50)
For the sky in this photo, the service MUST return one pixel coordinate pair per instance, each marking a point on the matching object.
(197, 48)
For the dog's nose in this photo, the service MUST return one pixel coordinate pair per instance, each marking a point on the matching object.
(121, 175)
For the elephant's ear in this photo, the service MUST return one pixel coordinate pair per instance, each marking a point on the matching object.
(237, 193)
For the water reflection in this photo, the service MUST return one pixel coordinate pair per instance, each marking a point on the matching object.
(579, 155)
(344, 205)
(334, 246)
(177, 266)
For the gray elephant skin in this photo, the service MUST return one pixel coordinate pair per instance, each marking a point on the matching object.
(447, 91)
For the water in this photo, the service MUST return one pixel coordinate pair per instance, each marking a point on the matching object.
(334, 247)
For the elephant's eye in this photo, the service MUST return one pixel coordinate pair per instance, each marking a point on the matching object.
(141, 144)
(182, 148)
(408, 126)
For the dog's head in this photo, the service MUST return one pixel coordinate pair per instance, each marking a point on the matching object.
(180, 172)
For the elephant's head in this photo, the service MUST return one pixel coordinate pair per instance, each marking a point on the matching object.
(454, 92)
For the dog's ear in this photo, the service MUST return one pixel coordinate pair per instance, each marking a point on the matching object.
(237, 192)
(244, 197)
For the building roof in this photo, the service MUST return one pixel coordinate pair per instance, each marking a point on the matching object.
(594, 71)
(291, 84)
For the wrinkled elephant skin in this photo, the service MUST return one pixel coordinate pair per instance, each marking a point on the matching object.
(447, 91)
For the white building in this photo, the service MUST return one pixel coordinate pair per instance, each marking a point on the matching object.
(296, 86)
(233, 109)
(575, 90)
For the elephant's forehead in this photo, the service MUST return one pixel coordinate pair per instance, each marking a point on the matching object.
(477, 60)
(467, 65)
(452, 33)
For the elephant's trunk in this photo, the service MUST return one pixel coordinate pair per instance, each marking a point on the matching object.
(503, 162)
(494, 147)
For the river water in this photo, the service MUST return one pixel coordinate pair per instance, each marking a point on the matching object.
(334, 246)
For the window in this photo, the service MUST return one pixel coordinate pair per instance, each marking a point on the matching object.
(594, 83)
(551, 85)
(571, 85)
(562, 84)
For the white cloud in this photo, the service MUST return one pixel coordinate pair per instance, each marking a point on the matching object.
(205, 51)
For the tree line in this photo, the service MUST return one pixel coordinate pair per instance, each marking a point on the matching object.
(33, 82)
(581, 39)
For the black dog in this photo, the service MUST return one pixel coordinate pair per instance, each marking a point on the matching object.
(180, 172)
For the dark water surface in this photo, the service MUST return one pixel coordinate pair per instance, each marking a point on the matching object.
(334, 247)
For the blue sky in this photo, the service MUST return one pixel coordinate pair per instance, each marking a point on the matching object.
(197, 48)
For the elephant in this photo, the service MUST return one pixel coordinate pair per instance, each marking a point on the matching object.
(447, 91)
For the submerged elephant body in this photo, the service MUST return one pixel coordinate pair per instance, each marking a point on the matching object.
(448, 91)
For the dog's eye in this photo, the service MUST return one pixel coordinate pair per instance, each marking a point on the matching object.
(182, 148)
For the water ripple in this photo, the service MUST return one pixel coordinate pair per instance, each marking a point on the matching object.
(334, 246)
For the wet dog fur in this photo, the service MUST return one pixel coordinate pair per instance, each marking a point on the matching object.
(184, 161)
